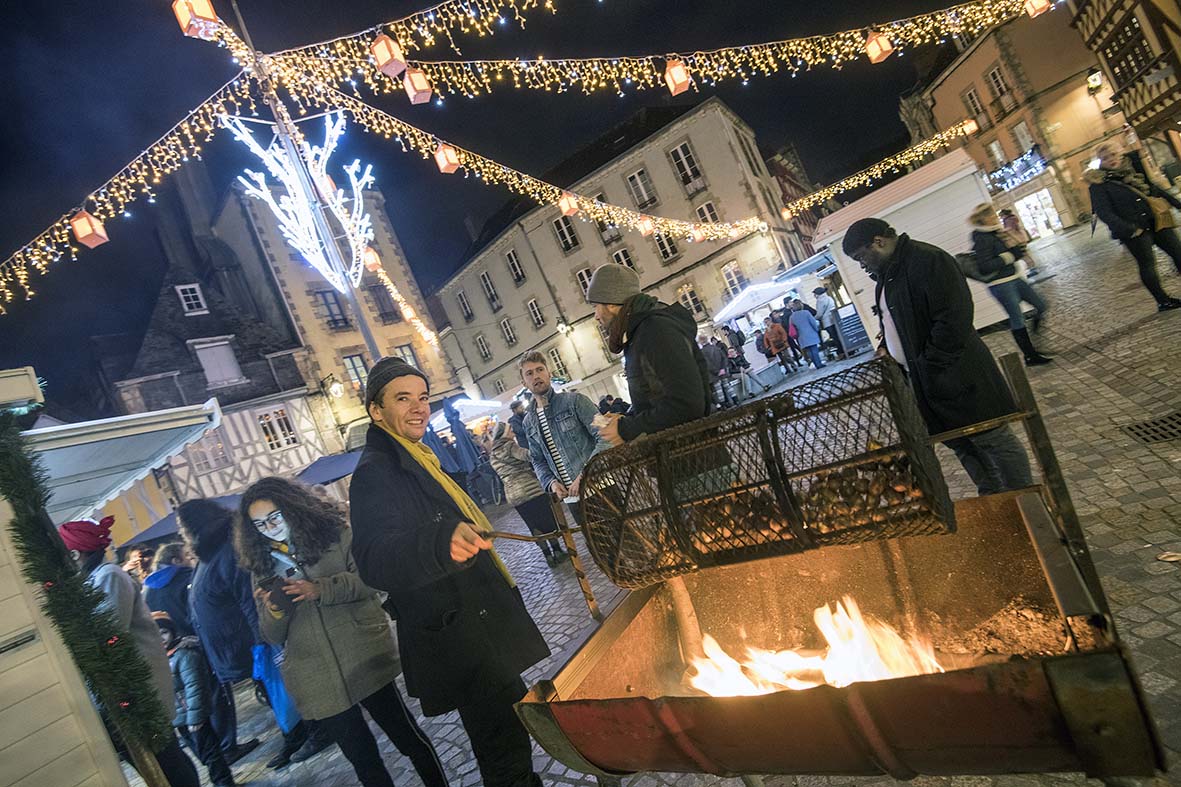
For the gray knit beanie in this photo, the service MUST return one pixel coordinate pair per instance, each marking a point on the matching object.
(388, 368)
(613, 284)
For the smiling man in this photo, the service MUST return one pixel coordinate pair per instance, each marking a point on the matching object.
(464, 632)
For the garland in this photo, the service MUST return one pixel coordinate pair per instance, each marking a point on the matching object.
(115, 672)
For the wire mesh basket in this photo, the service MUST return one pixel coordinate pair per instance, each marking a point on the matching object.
(840, 460)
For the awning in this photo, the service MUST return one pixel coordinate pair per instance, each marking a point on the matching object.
(91, 463)
(167, 526)
(327, 469)
(469, 410)
(751, 298)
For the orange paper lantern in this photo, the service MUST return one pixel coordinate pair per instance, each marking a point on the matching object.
(418, 87)
(371, 259)
(698, 235)
(646, 226)
(676, 76)
(388, 56)
(568, 204)
(878, 46)
(446, 158)
(88, 230)
(969, 127)
(196, 18)
(1037, 7)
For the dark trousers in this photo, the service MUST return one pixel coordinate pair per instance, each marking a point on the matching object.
(352, 734)
(177, 766)
(539, 518)
(995, 460)
(205, 743)
(834, 339)
(1142, 249)
(223, 716)
(503, 749)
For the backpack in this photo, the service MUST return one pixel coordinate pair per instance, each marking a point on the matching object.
(966, 262)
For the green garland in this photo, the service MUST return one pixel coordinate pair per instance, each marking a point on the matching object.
(116, 673)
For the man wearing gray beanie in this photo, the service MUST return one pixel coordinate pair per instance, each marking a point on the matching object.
(666, 372)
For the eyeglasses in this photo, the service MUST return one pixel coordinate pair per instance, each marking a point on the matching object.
(270, 521)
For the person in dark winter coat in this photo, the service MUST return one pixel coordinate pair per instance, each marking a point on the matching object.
(1120, 192)
(996, 255)
(667, 377)
(192, 684)
(925, 310)
(517, 419)
(166, 589)
(464, 632)
(807, 329)
(716, 363)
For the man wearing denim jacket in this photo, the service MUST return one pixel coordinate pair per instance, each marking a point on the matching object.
(559, 430)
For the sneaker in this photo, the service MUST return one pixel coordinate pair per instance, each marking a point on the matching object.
(240, 751)
(1169, 305)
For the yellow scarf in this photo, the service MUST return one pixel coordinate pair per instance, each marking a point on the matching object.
(426, 459)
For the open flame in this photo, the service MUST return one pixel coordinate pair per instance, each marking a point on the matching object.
(859, 649)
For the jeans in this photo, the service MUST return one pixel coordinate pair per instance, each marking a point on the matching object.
(539, 518)
(387, 708)
(503, 749)
(813, 353)
(223, 716)
(205, 743)
(995, 460)
(1011, 294)
(1142, 250)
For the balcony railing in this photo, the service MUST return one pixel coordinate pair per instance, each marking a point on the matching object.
(1004, 105)
(693, 186)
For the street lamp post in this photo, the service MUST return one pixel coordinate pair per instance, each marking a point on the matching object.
(286, 132)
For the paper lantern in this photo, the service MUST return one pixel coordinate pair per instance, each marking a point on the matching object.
(371, 259)
(676, 76)
(785, 214)
(1037, 7)
(446, 158)
(568, 204)
(418, 87)
(196, 18)
(388, 57)
(646, 226)
(969, 127)
(88, 230)
(698, 235)
(878, 46)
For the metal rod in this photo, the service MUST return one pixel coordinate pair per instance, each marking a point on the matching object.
(557, 507)
(977, 428)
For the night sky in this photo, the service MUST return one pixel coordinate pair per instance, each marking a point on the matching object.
(88, 85)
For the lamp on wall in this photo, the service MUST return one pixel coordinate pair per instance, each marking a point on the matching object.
(331, 386)
(1094, 80)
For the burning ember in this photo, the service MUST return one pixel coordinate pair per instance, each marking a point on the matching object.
(859, 649)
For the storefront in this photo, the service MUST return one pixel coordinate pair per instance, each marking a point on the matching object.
(1029, 186)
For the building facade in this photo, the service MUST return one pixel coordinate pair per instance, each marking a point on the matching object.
(1137, 44)
(1029, 84)
(793, 182)
(524, 283)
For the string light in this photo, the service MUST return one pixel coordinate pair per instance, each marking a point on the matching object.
(348, 60)
(404, 306)
(895, 163)
(137, 179)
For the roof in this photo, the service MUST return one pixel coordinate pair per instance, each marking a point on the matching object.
(894, 195)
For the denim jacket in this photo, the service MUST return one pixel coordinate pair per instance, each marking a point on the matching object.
(569, 415)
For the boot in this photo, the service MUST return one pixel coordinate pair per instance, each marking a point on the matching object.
(1032, 356)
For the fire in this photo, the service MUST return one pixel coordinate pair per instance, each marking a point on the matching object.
(859, 649)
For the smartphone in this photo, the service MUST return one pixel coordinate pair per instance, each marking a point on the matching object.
(275, 594)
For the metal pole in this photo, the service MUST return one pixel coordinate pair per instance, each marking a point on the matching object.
(286, 132)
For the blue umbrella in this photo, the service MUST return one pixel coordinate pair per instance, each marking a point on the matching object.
(446, 458)
(467, 453)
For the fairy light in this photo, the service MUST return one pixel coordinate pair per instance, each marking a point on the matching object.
(408, 311)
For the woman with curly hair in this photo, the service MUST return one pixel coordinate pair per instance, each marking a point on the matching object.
(338, 649)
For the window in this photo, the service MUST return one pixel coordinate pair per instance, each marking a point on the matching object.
(749, 151)
(334, 315)
(218, 362)
(976, 108)
(535, 313)
(996, 152)
(641, 188)
(514, 266)
(464, 307)
(490, 291)
(623, 257)
(557, 365)
(734, 277)
(707, 212)
(1127, 52)
(277, 429)
(387, 311)
(356, 370)
(608, 232)
(687, 296)
(506, 330)
(1022, 137)
(191, 299)
(406, 353)
(482, 346)
(666, 246)
(498, 386)
(584, 279)
(997, 84)
(686, 166)
(567, 237)
(209, 453)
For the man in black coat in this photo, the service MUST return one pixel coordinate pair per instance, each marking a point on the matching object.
(463, 630)
(926, 312)
(667, 377)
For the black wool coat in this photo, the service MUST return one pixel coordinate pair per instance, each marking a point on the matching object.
(1122, 208)
(463, 632)
(955, 379)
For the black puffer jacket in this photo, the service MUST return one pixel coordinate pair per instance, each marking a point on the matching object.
(988, 248)
(1122, 208)
(666, 372)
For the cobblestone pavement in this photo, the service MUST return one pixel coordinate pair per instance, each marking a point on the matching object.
(1117, 363)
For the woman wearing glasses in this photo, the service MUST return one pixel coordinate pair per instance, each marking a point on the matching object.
(338, 649)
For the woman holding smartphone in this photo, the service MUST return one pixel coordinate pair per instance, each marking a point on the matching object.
(339, 651)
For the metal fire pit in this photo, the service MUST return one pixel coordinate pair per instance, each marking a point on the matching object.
(840, 460)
